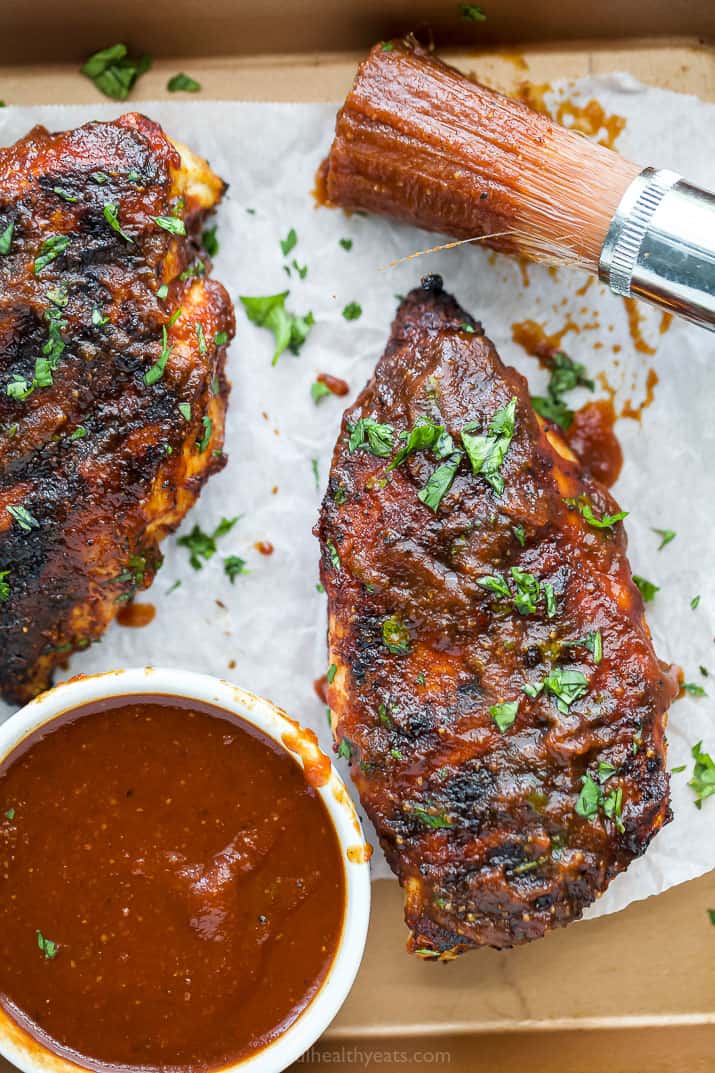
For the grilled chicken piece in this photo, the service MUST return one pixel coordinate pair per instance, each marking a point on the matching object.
(112, 386)
(495, 685)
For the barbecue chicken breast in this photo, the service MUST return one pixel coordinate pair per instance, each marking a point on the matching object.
(112, 385)
(492, 679)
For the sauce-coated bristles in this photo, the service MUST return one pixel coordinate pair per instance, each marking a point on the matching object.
(419, 141)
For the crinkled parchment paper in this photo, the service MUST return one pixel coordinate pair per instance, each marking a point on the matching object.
(267, 631)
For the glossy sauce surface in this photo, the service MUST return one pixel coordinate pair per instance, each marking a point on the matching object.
(186, 877)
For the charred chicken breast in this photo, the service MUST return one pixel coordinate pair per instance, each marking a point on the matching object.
(112, 385)
(493, 684)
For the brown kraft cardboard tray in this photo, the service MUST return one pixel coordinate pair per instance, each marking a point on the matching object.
(629, 993)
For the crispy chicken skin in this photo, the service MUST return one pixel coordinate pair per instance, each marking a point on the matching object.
(97, 461)
(497, 835)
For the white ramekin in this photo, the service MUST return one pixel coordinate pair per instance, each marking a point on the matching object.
(27, 1053)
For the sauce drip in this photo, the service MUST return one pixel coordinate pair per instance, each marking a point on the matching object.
(634, 326)
(590, 118)
(136, 615)
(188, 873)
(592, 437)
(636, 412)
(334, 383)
(264, 547)
(533, 337)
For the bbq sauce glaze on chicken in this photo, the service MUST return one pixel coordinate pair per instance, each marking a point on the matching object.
(172, 888)
(112, 387)
(494, 683)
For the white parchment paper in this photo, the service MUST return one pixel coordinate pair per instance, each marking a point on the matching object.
(268, 631)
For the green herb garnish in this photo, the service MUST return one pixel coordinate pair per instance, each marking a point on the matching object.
(155, 373)
(47, 946)
(331, 672)
(352, 311)
(114, 72)
(694, 689)
(52, 247)
(209, 241)
(23, 518)
(234, 566)
(435, 821)
(666, 535)
(487, 452)
(202, 545)
(290, 330)
(424, 437)
(4, 586)
(182, 83)
(471, 13)
(111, 211)
(173, 224)
(694, 603)
(566, 686)
(333, 554)
(703, 780)
(440, 482)
(346, 243)
(504, 714)
(583, 506)
(289, 242)
(370, 435)
(203, 443)
(646, 588)
(6, 239)
(185, 410)
(396, 636)
(319, 391)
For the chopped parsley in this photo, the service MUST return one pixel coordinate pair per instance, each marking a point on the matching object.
(64, 194)
(6, 238)
(471, 13)
(519, 534)
(566, 686)
(396, 636)
(666, 535)
(550, 598)
(440, 482)
(47, 946)
(344, 749)
(302, 270)
(209, 241)
(173, 224)
(424, 437)
(318, 391)
(79, 433)
(504, 714)
(4, 586)
(185, 410)
(203, 443)
(9, 814)
(527, 592)
(703, 780)
(290, 330)
(199, 329)
(202, 545)
(352, 311)
(646, 588)
(163, 291)
(98, 318)
(369, 434)
(487, 452)
(114, 72)
(234, 566)
(182, 83)
(585, 509)
(434, 820)
(605, 771)
(333, 554)
(566, 374)
(23, 518)
(593, 641)
(592, 798)
(221, 338)
(694, 689)
(694, 603)
(156, 372)
(99, 177)
(331, 672)
(496, 584)
(289, 242)
(111, 212)
(468, 328)
(51, 248)
(346, 243)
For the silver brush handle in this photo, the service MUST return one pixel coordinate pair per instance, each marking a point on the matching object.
(660, 246)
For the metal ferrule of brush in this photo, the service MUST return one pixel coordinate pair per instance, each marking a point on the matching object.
(660, 246)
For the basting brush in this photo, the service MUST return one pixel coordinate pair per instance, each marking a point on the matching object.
(418, 141)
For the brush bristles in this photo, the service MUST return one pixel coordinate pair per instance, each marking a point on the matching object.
(418, 141)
